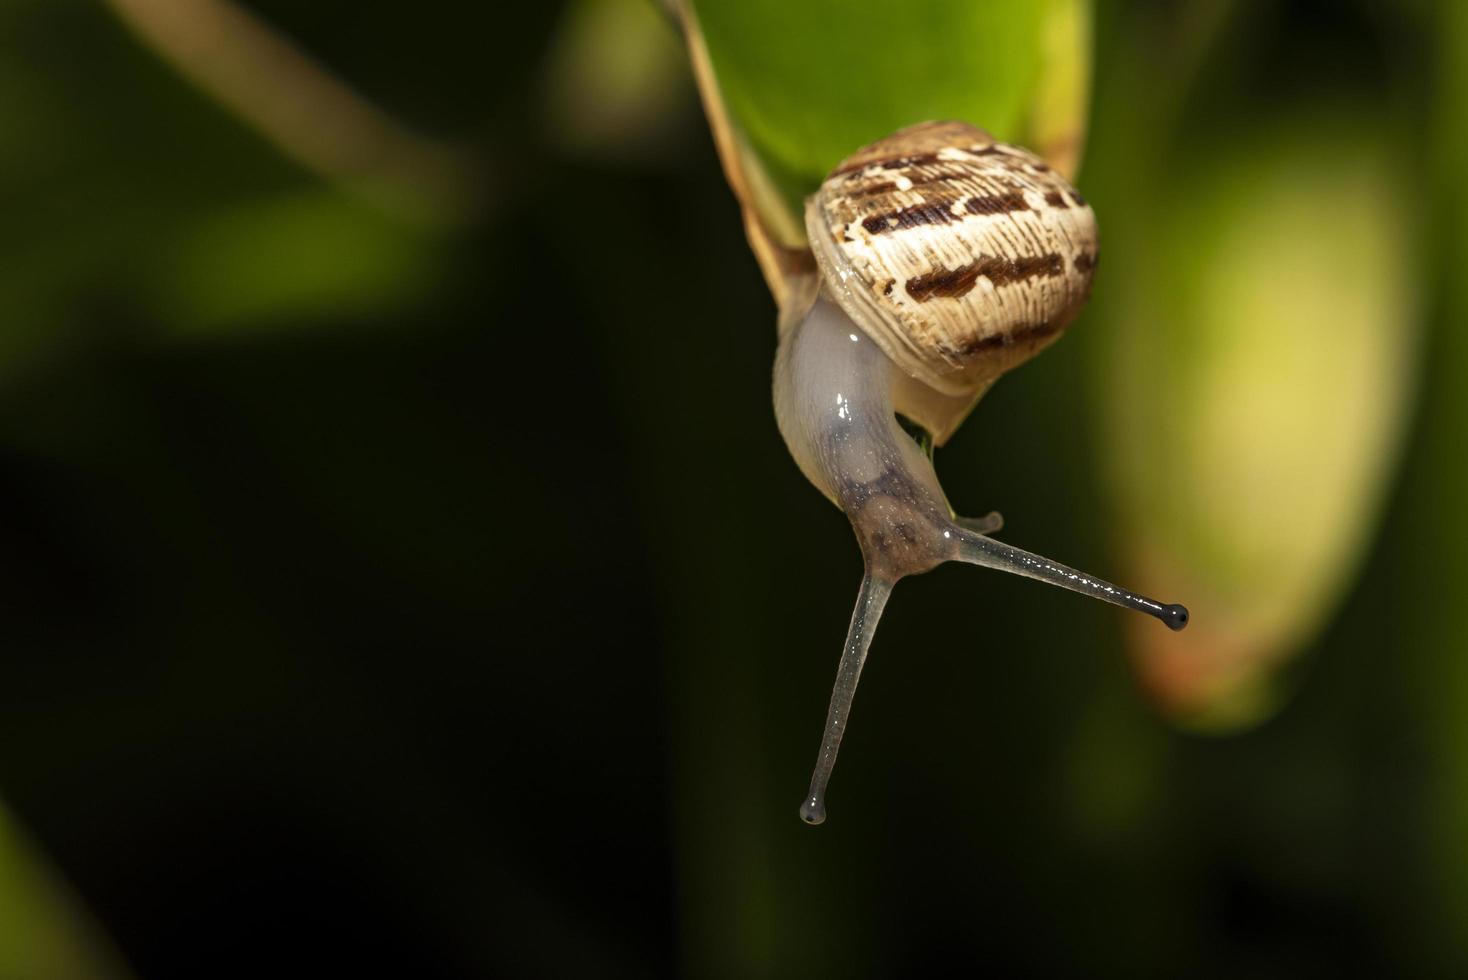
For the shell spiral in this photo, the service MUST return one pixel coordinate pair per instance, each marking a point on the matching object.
(960, 256)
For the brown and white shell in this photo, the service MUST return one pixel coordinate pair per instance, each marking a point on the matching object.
(958, 255)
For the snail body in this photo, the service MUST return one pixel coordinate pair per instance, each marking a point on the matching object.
(945, 258)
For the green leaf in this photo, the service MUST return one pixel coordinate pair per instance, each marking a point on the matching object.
(807, 83)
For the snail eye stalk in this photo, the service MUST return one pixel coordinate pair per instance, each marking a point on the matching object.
(975, 549)
(971, 546)
(978, 549)
(869, 604)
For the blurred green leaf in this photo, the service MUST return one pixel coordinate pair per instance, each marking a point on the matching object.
(130, 197)
(1256, 385)
(614, 78)
(44, 935)
(309, 255)
(1434, 580)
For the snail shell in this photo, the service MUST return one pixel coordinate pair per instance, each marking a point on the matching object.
(960, 257)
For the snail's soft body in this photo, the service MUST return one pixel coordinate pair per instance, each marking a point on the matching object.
(945, 259)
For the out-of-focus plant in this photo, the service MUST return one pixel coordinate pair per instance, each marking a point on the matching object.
(615, 100)
(1256, 373)
(1256, 335)
(1434, 525)
(44, 934)
(302, 108)
(229, 237)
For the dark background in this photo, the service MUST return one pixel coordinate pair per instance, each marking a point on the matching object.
(482, 626)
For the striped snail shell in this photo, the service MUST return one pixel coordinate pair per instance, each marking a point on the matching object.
(960, 256)
(945, 259)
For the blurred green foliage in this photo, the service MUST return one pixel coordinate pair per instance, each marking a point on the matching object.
(256, 266)
(393, 595)
(42, 932)
(1259, 364)
(1428, 534)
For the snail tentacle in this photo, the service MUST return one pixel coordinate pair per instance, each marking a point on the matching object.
(979, 549)
(870, 601)
(990, 523)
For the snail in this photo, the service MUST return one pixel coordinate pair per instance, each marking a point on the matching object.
(944, 259)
